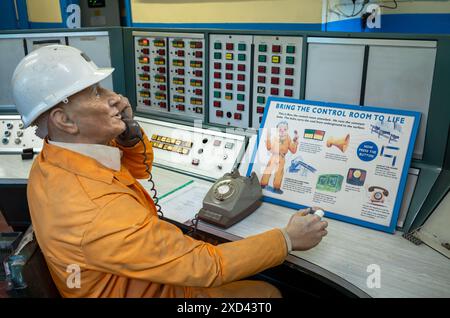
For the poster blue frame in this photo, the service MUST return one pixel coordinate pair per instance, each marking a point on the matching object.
(398, 200)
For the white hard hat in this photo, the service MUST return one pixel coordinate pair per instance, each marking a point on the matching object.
(49, 75)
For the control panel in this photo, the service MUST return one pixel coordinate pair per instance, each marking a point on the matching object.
(229, 79)
(170, 73)
(151, 73)
(15, 138)
(276, 71)
(201, 152)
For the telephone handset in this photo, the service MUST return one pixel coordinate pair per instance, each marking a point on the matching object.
(232, 198)
(132, 133)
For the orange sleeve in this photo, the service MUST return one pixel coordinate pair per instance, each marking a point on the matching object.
(124, 239)
(133, 157)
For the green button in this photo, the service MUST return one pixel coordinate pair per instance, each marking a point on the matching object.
(217, 56)
(228, 96)
(241, 57)
(290, 60)
(218, 46)
(290, 49)
(261, 100)
(217, 94)
(262, 58)
(262, 48)
(240, 97)
(242, 46)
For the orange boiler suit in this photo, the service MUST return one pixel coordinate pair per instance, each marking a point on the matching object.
(278, 148)
(105, 222)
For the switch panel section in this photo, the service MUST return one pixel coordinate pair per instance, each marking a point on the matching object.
(197, 151)
(230, 64)
(187, 76)
(277, 71)
(151, 73)
(15, 138)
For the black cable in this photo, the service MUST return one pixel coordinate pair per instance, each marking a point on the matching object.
(194, 225)
(388, 7)
(152, 184)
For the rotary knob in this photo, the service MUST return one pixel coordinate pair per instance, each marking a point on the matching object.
(19, 133)
(17, 141)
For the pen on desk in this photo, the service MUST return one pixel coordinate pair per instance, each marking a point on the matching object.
(176, 189)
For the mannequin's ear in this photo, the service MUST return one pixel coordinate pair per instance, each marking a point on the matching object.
(61, 120)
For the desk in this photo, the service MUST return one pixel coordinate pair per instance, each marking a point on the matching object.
(407, 270)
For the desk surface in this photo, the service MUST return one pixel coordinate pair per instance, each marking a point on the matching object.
(343, 256)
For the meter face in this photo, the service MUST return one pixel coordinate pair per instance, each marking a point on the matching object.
(96, 3)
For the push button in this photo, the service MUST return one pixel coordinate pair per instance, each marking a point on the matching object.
(240, 107)
(241, 77)
(241, 57)
(217, 56)
(260, 110)
(229, 46)
(217, 75)
(289, 82)
(276, 48)
(229, 56)
(274, 91)
(260, 99)
(290, 49)
(217, 66)
(240, 97)
(237, 116)
(241, 88)
(241, 67)
(275, 59)
(289, 71)
(219, 113)
(262, 48)
(261, 79)
(217, 85)
(275, 70)
(229, 66)
(275, 80)
(288, 92)
(216, 103)
(229, 86)
(217, 46)
(242, 46)
(217, 94)
(262, 58)
(229, 76)
(261, 69)
(290, 60)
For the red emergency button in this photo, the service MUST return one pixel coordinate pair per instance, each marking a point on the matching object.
(289, 71)
(237, 116)
(219, 113)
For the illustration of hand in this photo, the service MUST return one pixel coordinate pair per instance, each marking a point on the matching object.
(295, 136)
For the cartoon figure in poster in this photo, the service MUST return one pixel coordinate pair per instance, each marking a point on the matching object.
(278, 146)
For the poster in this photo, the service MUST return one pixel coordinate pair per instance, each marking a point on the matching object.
(352, 161)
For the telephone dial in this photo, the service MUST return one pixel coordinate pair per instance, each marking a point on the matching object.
(378, 194)
(232, 198)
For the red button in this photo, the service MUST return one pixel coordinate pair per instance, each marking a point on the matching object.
(217, 66)
(198, 73)
(229, 46)
(162, 70)
(289, 82)
(229, 76)
(237, 116)
(261, 79)
(199, 54)
(180, 107)
(146, 68)
(180, 53)
(217, 85)
(162, 87)
(219, 113)
(147, 102)
(240, 107)
(198, 92)
(229, 66)
(162, 105)
(229, 86)
(276, 48)
(289, 71)
(261, 69)
(217, 75)
(216, 103)
(241, 77)
(241, 87)
(145, 51)
(146, 85)
(180, 71)
(274, 91)
(288, 92)
(260, 110)
(241, 67)
(275, 80)
(161, 52)
(275, 70)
